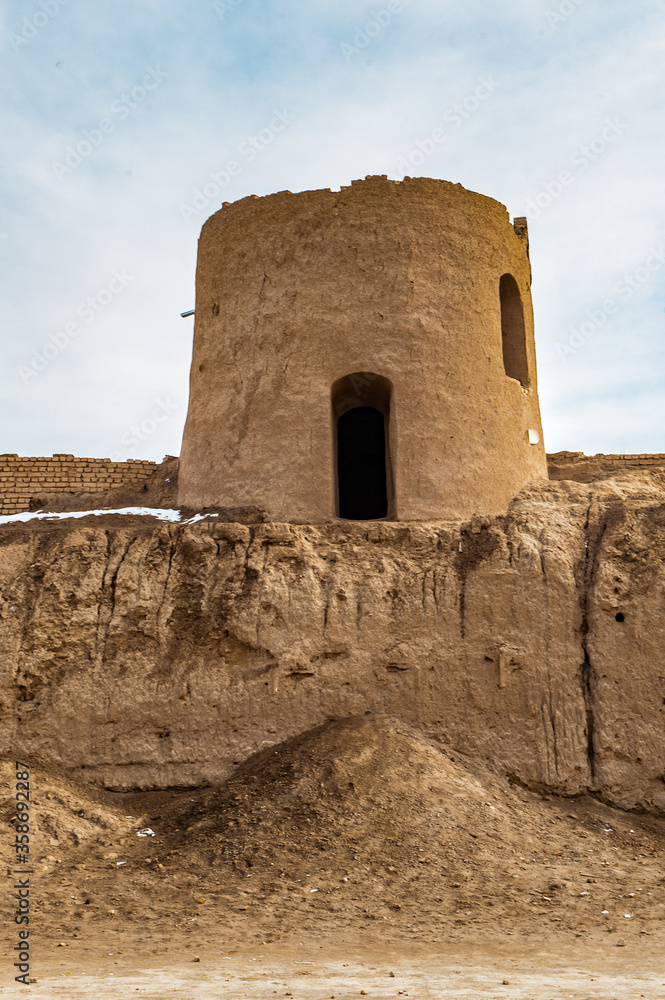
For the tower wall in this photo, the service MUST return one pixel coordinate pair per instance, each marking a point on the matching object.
(400, 280)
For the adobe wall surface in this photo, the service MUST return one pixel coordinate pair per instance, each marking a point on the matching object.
(23, 478)
(160, 655)
(295, 291)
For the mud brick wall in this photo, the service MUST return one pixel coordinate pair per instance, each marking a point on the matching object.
(618, 461)
(23, 478)
(584, 468)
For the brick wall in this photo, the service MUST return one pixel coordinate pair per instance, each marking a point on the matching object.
(619, 461)
(23, 478)
(581, 468)
(613, 461)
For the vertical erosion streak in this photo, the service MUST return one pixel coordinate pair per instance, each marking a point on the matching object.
(588, 702)
(585, 667)
(100, 604)
(106, 608)
(592, 544)
(171, 554)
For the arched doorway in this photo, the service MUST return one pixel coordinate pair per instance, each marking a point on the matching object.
(361, 414)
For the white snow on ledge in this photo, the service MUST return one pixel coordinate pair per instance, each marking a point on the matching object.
(159, 513)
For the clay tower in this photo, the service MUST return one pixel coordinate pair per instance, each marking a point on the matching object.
(363, 354)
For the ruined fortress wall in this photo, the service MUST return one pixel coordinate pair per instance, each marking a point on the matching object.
(399, 280)
(156, 655)
(575, 465)
(23, 478)
(615, 461)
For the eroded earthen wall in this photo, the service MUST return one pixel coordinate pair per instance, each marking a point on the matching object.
(160, 655)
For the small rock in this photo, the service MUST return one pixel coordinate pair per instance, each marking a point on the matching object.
(621, 943)
(197, 959)
(505, 982)
(392, 975)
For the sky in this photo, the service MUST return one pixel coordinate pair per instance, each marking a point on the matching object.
(120, 121)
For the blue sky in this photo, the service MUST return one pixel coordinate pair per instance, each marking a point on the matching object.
(98, 247)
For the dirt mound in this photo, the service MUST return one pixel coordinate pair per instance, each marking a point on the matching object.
(357, 821)
(371, 780)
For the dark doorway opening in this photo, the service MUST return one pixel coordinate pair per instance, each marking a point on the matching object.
(363, 447)
(361, 464)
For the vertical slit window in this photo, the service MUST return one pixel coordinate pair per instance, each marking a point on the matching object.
(513, 332)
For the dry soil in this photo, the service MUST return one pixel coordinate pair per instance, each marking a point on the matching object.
(325, 863)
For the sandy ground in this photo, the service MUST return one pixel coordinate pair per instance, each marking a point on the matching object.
(494, 970)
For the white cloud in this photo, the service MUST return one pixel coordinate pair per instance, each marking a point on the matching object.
(120, 207)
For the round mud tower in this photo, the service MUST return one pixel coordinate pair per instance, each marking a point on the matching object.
(366, 353)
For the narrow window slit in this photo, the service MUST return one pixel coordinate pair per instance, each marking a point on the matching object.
(513, 332)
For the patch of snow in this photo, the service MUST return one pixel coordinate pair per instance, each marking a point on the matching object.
(160, 513)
